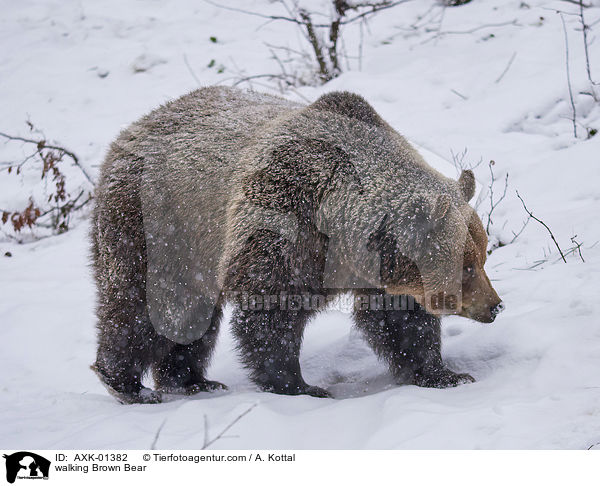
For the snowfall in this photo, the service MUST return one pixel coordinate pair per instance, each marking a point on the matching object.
(470, 84)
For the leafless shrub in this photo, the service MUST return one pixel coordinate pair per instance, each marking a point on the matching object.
(593, 85)
(585, 28)
(459, 159)
(56, 210)
(323, 38)
(494, 201)
(461, 163)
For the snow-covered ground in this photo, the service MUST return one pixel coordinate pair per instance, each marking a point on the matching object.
(82, 70)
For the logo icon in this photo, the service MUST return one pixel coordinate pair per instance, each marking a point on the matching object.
(26, 465)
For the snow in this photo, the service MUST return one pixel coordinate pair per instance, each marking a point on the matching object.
(82, 70)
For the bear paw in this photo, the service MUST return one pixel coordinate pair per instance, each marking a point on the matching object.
(145, 395)
(201, 386)
(313, 391)
(126, 393)
(442, 379)
(316, 391)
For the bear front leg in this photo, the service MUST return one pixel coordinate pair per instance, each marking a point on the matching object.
(269, 344)
(410, 342)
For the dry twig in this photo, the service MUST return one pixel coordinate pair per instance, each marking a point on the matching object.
(512, 58)
(494, 204)
(573, 109)
(157, 435)
(220, 435)
(585, 28)
(544, 225)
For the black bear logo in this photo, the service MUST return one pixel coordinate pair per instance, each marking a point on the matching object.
(26, 460)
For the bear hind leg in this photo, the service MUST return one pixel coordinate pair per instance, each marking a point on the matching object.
(182, 370)
(124, 354)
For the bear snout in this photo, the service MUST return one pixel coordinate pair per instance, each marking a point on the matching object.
(490, 316)
(483, 314)
(496, 309)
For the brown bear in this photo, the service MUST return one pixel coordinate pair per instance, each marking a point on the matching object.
(228, 196)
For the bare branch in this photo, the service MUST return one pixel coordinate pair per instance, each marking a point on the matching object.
(518, 233)
(577, 2)
(458, 159)
(205, 431)
(470, 31)
(157, 435)
(574, 110)
(282, 77)
(59, 203)
(326, 53)
(42, 144)
(507, 67)
(374, 9)
(544, 225)
(316, 45)
(187, 64)
(585, 28)
(577, 247)
(494, 204)
(255, 14)
(208, 443)
(459, 94)
(360, 45)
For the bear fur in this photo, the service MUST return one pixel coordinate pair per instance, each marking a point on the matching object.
(223, 194)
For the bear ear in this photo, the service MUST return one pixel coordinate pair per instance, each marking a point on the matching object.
(349, 105)
(466, 184)
(440, 209)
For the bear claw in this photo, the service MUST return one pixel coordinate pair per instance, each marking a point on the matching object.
(443, 379)
(145, 395)
(203, 386)
(313, 391)
(317, 391)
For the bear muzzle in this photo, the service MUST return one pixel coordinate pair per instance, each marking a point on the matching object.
(496, 309)
(485, 315)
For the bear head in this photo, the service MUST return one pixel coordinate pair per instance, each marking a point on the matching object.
(397, 224)
(438, 257)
